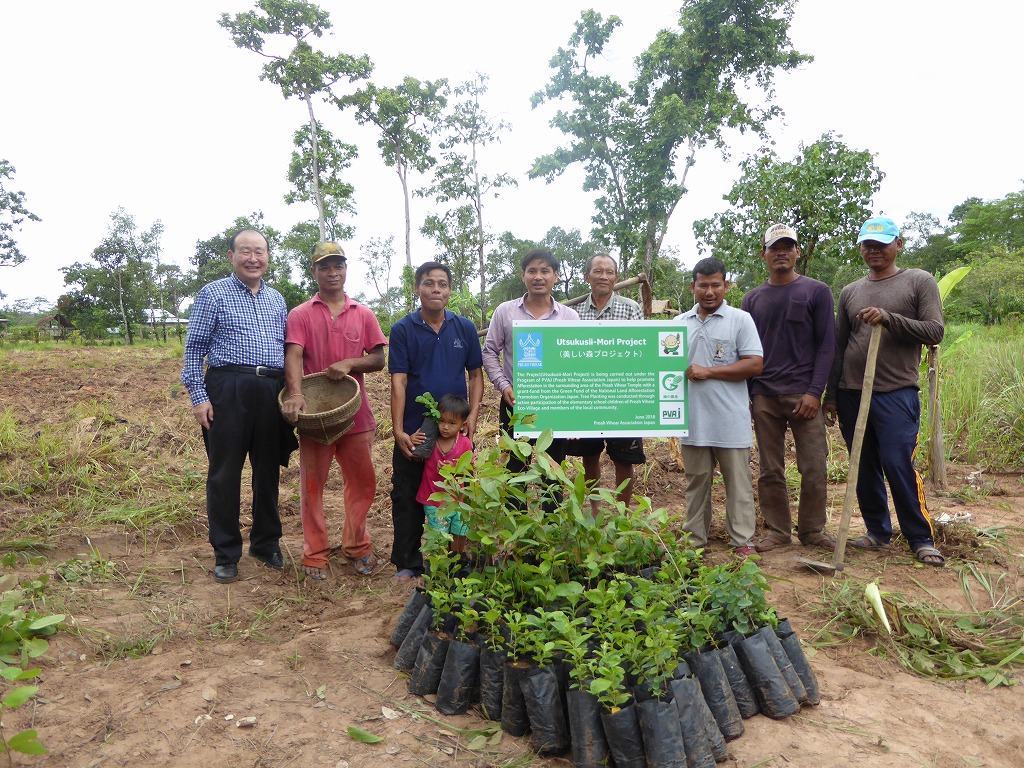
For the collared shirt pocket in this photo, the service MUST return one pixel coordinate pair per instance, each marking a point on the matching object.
(721, 351)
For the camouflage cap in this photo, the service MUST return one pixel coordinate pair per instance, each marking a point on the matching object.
(327, 250)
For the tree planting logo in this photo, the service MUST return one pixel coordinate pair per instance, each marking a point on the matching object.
(671, 386)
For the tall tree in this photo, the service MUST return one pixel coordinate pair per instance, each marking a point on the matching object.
(392, 300)
(572, 252)
(993, 290)
(336, 198)
(977, 228)
(120, 278)
(459, 177)
(89, 318)
(825, 192)
(13, 214)
(986, 225)
(403, 115)
(211, 259)
(320, 172)
(504, 264)
(690, 86)
(305, 72)
(171, 283)
(455, 232)
(927, 244)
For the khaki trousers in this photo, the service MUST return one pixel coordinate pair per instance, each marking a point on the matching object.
(740, 518)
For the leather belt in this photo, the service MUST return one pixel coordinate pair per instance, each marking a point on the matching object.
(255, 370)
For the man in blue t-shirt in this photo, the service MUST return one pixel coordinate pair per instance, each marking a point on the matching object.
(795, 318)
(430, 350)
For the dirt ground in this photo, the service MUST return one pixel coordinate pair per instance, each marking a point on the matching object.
(160, 664)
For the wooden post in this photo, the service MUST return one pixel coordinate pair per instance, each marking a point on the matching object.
(936, 444)
(628, 283)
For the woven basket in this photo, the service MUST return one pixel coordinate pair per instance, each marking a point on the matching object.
(330, 406)
(328, 435)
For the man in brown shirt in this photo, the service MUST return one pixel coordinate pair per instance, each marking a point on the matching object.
(906, 303)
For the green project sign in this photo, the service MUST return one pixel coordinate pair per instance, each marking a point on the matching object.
(601, 379)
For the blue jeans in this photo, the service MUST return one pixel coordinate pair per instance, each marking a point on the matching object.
(890, 444)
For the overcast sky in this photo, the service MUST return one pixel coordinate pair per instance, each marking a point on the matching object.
(151, 107)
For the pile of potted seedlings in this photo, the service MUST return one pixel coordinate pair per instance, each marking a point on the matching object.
(604, 635)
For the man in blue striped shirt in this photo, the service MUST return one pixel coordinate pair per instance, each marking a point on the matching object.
(237, 324)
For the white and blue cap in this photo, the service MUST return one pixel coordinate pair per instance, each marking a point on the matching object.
(881, 229)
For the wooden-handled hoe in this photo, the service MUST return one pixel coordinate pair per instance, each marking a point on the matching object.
(855, 449)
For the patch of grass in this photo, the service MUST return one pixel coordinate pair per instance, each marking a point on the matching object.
(27, 549)
(982, 395)
(114, 649)
(986, 642)
(251, 627)
(963, 541)
(94, 569)
(92, 470)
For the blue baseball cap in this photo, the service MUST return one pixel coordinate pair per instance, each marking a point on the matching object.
(881, 229)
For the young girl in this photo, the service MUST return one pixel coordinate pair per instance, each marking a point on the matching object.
(450, 445)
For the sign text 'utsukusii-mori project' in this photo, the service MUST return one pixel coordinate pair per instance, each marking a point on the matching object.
(601, 379)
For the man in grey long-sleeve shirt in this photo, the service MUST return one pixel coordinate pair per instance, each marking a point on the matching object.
(906, 303)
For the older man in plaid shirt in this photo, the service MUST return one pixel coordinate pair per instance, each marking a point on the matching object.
(237, 324)
(602, 273)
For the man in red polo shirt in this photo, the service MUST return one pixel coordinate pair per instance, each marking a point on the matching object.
(333, 333)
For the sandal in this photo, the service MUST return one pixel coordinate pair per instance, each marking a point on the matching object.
(403, 576)
(768, 543)
(314, 573)
(867, 541)
(930, 556)
(745, 551)
(821, 540)
(364, 565)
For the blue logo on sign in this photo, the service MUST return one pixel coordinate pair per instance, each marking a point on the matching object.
(529, 352)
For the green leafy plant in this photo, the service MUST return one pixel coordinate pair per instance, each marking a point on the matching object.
(554, 578)
(22, 637)
(737, 594)
(545, 629)
(93, 568)
(440, 582)
(429, 406)
(518, 627)
(657, 655)
(609, 677)
(467, 597)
